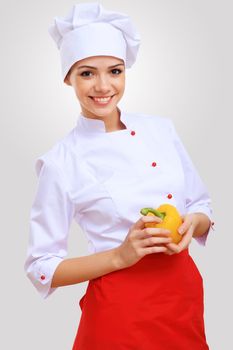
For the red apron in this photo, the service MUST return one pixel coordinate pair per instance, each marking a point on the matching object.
(156, 304)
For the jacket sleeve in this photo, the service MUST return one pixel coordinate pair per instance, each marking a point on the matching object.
(50, 218)
(197, 198)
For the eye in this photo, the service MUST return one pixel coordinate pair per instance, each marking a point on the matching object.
(116, 71)
(86, 73)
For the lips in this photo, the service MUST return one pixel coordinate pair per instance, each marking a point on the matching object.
(102, 100)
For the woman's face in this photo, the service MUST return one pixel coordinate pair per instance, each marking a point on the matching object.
(99, 84)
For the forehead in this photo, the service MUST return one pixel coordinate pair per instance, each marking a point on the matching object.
(99, 61)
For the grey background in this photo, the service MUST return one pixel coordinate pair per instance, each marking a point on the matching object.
(184, 71)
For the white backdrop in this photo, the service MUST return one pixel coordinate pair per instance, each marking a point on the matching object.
(183, 71)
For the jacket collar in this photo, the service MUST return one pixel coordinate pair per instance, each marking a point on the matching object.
(91, 125)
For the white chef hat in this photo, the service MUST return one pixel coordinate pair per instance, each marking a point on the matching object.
(90, 30)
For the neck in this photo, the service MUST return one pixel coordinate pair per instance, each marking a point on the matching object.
(112, 122)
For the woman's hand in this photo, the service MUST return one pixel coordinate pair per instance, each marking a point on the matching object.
(141, 241)
(190, 222)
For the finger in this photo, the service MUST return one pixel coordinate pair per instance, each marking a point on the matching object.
(183, 244)
(185, 226)
(147, 242)
(173, 247)
(154, 249)
(140, 224)
(149, 231)
(186, 240)
(169, 252)
(183, 218)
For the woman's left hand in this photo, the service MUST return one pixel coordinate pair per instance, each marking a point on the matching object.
(187, 229)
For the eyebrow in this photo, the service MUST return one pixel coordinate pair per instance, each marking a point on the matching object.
(116, 65)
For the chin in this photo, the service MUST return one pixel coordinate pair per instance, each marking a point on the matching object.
(104, 114)
(102, 111)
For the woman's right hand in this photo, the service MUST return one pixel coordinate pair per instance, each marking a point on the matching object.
(141, 241)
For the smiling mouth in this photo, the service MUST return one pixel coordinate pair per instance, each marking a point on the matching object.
(101, 100)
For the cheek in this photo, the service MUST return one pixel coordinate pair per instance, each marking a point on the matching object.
(121, 84)
(81, 89)
(77, 93)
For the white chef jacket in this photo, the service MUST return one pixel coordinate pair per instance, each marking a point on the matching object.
(102, 180)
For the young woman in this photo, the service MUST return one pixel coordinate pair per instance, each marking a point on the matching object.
(144, 291)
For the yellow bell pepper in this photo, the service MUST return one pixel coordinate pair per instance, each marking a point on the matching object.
(171, 219)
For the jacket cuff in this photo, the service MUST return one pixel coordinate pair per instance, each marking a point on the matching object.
(208, 212)
(41, 274)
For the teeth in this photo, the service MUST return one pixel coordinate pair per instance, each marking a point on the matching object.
(102, 99)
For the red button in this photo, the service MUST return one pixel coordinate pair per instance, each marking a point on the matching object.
(42, 277)
(133, 133)
(169, 196)
(154, 164)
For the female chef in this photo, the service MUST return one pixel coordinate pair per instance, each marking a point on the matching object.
(144, 292)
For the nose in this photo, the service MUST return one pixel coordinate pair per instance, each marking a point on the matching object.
(102, 84)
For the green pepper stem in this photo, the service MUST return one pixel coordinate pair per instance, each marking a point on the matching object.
(160, 214)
